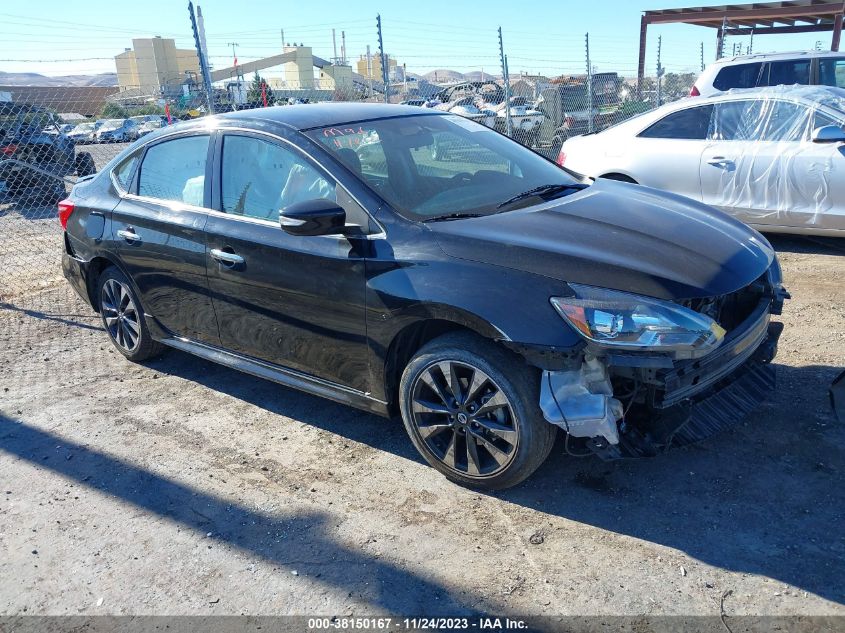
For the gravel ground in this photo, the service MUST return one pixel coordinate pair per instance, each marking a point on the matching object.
(181, 487)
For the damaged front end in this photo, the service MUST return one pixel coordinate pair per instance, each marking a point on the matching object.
(630, 393)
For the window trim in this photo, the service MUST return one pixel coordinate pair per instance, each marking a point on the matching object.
(217, 166)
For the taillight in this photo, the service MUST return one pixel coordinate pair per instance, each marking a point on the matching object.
(569, 121)
(694, 92)
(561, 158)
(65, 209)
(8, 150)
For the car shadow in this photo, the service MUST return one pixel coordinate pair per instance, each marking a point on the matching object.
(806, 244)
(301, 542)
(763, 498)
(64, 318)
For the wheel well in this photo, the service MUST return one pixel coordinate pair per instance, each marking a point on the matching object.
(619, 177)
(95, 268)
(405, 345)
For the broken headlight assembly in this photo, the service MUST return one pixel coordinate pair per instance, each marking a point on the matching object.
(624, 321)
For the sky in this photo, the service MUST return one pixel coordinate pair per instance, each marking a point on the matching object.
(59, 37)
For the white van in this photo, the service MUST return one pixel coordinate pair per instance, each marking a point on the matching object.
(771, 69)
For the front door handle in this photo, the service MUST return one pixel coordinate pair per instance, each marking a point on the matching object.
(226, 258)
(129, 235)
(720, 161)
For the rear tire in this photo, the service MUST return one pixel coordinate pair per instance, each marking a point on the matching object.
(471, 409)
(123, 317)
(84, 164)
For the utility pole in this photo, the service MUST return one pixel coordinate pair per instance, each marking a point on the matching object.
(206, 76)
(660, 71)
(702, 57)
(506, 78)
(751, 43)
(370, 71)
(589, 85)
(384, 70)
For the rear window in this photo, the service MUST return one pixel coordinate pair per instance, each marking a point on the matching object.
(689, 124)
(738, 76)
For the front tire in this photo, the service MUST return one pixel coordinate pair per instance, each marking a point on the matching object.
(123, 317)
(471, 410)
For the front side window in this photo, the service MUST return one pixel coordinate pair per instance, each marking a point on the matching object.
(175, 170)
(260, 178)
(688, 124)
(737, 76)
(440, 166)
(832, 72)
(787, 73)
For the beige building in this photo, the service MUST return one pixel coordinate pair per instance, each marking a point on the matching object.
(374, 71)
(155, 65)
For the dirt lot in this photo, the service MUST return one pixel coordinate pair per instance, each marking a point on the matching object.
(181, 487)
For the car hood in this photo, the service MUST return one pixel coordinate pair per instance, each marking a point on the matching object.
(619, 236)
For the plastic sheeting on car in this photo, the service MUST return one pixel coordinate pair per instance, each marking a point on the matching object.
(761, 160)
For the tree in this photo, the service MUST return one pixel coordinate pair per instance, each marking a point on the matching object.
(254, 93)
(113, 111)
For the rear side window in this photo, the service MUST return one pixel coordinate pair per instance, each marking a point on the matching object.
(175, 170)
(787, 73)
(122, 174)
(738, 76)
(689, 124)
(832, 72)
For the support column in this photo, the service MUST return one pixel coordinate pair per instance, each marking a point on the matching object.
(837, 32)
(641, 62)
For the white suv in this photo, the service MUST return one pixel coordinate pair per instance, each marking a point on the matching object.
(771, 69)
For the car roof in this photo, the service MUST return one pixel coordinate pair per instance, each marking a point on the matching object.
(775, 56)
(312, 115)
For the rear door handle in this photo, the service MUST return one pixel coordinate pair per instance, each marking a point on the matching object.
(720, 161)
(226, 258)
(129, 235)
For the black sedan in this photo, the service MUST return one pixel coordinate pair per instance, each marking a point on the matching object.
(480, 292)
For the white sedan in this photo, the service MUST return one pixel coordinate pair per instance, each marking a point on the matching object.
(772, 157)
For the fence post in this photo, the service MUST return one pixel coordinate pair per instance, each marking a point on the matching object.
(507, 81)
(206, 76)
(385, 72)
(590, 122)
(660, 71)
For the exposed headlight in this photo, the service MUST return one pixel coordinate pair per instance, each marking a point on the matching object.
(627, 321)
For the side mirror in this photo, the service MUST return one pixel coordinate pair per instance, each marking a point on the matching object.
(314, 217)
(828, 134)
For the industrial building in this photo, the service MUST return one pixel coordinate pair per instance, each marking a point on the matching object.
(155, 66)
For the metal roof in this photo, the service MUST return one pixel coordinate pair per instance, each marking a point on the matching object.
(812, 15)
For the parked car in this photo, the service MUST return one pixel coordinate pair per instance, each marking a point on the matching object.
(414, 102)
(525, 119)
(771, 157)
(116, 131)
(149, 126)
(82, 133)
(823, 68)
(567, 109)
(489, 299)
(34, 163)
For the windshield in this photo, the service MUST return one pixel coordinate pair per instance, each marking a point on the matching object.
(84, 127)
(111, 124)
(430, 166)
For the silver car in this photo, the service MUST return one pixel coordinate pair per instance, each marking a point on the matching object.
(772, 157)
